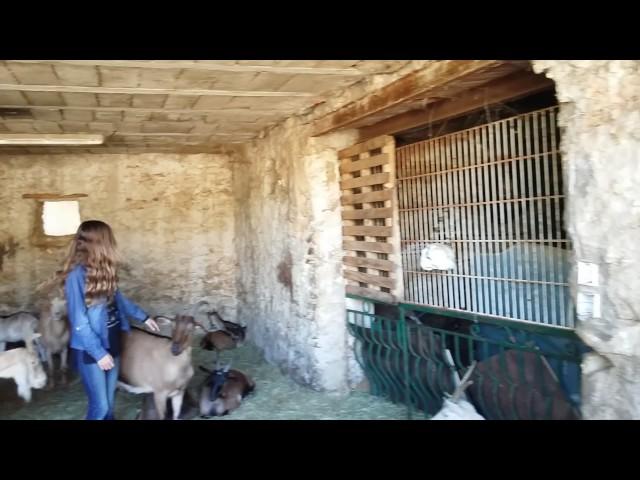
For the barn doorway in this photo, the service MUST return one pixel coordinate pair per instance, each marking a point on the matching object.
(487, 185)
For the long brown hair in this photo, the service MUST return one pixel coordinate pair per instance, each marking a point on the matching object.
(95, 247)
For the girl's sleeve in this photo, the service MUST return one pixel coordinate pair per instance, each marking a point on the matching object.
(77, 310)
(130, 308)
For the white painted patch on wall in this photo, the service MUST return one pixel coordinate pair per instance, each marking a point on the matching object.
(437, 256)
(588, 305)
(588, 274)
(588, 298)
(60, 218)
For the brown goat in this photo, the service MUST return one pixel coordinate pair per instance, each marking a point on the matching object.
(148, 409)
(231, 336)
(223, 391)
(219, 341)
(235, 329)
(152, 363)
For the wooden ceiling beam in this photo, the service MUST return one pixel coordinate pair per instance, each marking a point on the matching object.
(150, 91)
(50, 139)
(509, 87)
(192, 65)
(225, 111)
(178, 134)
(415, 85)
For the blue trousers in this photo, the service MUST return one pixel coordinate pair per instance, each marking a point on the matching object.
(100, 387)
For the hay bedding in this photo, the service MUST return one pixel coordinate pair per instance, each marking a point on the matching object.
(276, 397)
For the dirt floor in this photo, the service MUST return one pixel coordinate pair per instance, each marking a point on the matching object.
(276, 397)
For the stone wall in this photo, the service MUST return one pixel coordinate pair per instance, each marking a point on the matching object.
(289, 249)
(600, 118)
(172, 216)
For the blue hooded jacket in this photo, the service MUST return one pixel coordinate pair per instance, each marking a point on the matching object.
(89, 324)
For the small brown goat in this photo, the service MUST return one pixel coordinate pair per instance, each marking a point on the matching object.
(231, 337)
(219, 341)
(152, 363)
(223, 391)
(235, 329)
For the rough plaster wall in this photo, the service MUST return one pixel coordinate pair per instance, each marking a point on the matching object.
(600, 113)
(289, 231)
(172, 215)
(289, 244)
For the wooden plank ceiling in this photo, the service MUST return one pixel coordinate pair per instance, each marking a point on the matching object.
(171, 106)
(437, 85)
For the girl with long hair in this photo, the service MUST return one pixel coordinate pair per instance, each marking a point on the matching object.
(98, 313)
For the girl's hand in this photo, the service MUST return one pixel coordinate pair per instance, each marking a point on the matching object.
(106, 362)
(151, 323)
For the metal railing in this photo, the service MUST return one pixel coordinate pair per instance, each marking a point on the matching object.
(411, 354)
(494, 194)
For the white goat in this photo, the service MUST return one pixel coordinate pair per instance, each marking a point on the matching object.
(24, 367)
(17, 327)
(437, 257)
(54, 327)
(457, 408)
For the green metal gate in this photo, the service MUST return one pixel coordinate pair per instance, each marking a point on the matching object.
(411, 353)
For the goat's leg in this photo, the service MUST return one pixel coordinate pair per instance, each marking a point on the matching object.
(64, 366)
(2, 346)
(160, 399)
(176, 404)
(148, 409)
(24, 388)
(51, 382)
(205, 402)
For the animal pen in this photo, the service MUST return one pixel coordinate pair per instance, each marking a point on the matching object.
(493, 193)
(400, 222)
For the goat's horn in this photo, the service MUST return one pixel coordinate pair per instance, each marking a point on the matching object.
(464, 383)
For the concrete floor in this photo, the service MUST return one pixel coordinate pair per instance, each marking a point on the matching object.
(276, 397)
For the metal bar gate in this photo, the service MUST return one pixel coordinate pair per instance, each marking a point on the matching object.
(494, 194)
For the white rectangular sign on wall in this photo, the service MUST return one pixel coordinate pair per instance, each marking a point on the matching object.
(588, 274)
